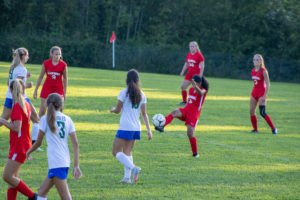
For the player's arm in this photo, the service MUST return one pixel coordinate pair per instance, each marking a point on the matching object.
(65, 81)
(37, 143)
(39, 81)
(199, 91)
(267, 81)
(34, 115)
(184, 68)
(201, 65)
(146, 120)
(77, 171)
(15, 125)
(118, 108)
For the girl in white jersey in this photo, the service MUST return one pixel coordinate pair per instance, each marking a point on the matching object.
(57, 126)
(130, 100)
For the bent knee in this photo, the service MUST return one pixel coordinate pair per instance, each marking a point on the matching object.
(6, 177)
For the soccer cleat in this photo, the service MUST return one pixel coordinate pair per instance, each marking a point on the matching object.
(159, 128)
(274, 131)
(254, 131)
(195, 155)
(182, 104)
(135, 173)
(34, 197)
(125, 180)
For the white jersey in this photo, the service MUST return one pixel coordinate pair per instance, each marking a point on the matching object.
(130, 116)
(18, 71)
(57, 143)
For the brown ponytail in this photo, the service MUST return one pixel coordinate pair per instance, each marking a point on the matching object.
(54, 103)
(134, 90)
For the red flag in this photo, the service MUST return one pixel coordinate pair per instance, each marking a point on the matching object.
(113, 37)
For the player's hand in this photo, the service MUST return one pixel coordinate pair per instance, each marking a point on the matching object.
(193, 83)
(28, 155)
(77, 172)
(34, 94)
(112, 109)
(262, 100)
(181, 73)
(149, 135)
(28, 75)
(30, 84)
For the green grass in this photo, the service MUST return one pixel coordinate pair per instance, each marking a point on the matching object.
(233, 163)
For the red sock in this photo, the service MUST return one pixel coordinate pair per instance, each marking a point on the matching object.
(254, 122)
(269, 121)
(12, 193)
(169, 119)
(24, 189)
(193, 142)
(184, 95)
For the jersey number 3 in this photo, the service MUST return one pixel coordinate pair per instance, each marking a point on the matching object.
(61, 127)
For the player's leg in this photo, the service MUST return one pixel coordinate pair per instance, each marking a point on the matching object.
(192, 139)
(262, 111)
(35, 126)
(118, 146)
(253, 118)
(45, 188)
(174, 114)
(62, 188)
(128, 152)
(12, 192)
(184, 86)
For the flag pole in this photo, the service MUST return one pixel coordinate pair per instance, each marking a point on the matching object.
(113, 54)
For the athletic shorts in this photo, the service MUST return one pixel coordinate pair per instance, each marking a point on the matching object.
(190, 116)
(129, 135)
(189, 75)
(61, 173)
(9, 102)
(19, 157)
(46, 91)
(256, 94)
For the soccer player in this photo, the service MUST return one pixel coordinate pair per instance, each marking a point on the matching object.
(191, 112)
(194, 62)
(56, 127)
(259, 93)
(130, 101)
(56, 82)
(19, 141)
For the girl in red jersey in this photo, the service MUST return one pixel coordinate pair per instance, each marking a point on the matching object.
(19, 141)
(191, 112)
(259, 93)
(56, 82)
(194, 62)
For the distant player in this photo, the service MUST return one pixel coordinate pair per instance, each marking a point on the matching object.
(20, 141)
(191, 112)
(56, 82)
(194, 62)
(56, 127)
(130, 101)
(259, 93)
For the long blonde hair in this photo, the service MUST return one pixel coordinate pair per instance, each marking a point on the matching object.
(17, 57)
(17, 88)
(55, 48)
(54, 102)
(262, 62)
(198, 49)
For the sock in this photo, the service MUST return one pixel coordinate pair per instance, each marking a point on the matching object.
(193, 142)
(24, 189)
(34, 131)
(124, 160)
(169, 119)
(254, 122)
(127, 171)
(41, 198)
(269, 121)
(12, 193)
(184, 95)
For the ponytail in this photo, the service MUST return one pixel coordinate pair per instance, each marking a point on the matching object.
(134, 90)
(54, 103)
(17, 88)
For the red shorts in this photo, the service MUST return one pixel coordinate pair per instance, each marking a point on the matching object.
(19, 157)
(190, 116)
(46, 91)
(256, 94)
(189, 75)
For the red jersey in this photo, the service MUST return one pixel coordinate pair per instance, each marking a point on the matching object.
(54, 74)
(195, 100)
(193, 61)
(20, 142)
(258, 79)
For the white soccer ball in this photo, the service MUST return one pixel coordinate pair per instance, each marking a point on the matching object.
(158, 120)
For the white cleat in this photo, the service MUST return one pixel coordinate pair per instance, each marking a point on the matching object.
(135, 172)
(125, 180)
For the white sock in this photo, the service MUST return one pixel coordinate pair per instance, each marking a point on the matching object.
(41, 198)
(35, 131)
(127, 171)
(124, 160)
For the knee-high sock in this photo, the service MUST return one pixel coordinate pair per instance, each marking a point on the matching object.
(184, 95)
(127, 171)
(269, 121)
(193, 142)
(41, 198)
(24, 189)
(12, 193)
(254, 122)
(124, 160)
(169, 119)
(34, 131)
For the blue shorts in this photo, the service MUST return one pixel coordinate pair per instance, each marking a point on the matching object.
(9, 102)
(61, 172)
(129, 135)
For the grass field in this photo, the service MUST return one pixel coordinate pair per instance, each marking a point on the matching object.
(233, 163)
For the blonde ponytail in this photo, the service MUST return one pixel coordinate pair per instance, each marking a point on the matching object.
(54, 103)
(17, 88)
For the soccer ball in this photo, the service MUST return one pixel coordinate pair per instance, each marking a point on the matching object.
(158, 120)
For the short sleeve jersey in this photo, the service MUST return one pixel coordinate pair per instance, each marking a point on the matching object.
(57, 143)
(54, 74)
(130, 116)
(195, 100)
(18, 71)
(20, 142)
(258, 79)
(193, 61)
